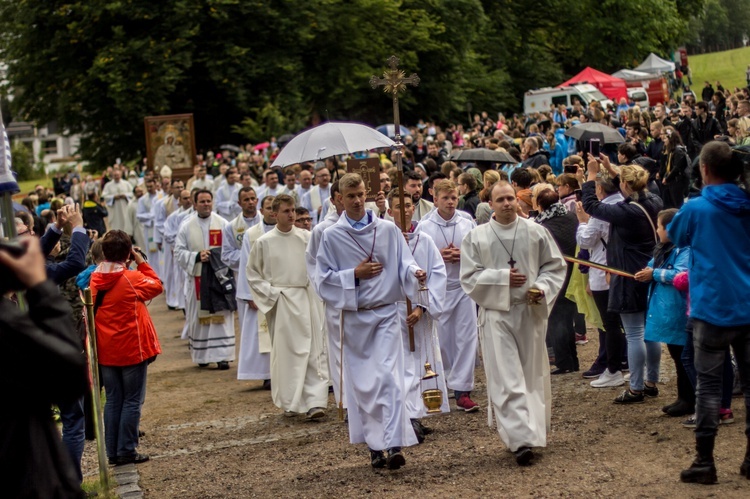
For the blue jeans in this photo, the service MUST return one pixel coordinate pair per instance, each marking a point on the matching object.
(641, 354)
(688, 361)
(74, 431)
(126, 389)
(711, 343)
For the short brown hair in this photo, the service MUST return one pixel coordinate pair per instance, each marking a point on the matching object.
(469, 180)
(116, 246)
(282, 199)
(443, 185)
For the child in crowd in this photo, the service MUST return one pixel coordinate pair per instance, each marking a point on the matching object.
(667, 306)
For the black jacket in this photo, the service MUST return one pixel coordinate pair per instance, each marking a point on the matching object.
(74, 262)
(706, 131)
(631, 244)
(217, 285)
(688, 135)
(471, 201)
(563, 230)
(536, 160)
(43, 364)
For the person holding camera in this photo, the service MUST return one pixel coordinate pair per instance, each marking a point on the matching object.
(44, 365)
(126, 340)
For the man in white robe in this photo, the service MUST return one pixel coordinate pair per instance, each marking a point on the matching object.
(210, 336)
(271, 186)
(318, 194)
(290, 185)
(278, 278)
(117, 193)
(133, 227)
(304, 179)
(177, 281)
(145, 216)
(162, 209)
(199, 180)
(364, 267)
(226, 196)
(506, 264)
(255, 342)
(457, 327)
(423, 320)
(332, 315)
(413, 186)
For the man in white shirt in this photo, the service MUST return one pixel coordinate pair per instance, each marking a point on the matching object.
(226, 196)
(318, 194)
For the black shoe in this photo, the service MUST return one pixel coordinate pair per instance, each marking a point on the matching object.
(141, 433)
(666, 408)
(681, 408)
(628, 397)
(701, 471)
(266, 384)
(745, 468)
(112, 461)
(650, 391)
(377, 459)
(223, 365)
(395, 458)
(562, 371)
(524, 456)
(135, 459)
(202, 365)
(417, 430)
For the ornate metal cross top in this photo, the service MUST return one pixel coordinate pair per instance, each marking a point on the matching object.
(394, 81)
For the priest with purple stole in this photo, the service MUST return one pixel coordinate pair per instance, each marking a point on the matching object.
(513, 269)
(364, 267)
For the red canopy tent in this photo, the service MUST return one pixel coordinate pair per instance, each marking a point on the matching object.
(614, 88)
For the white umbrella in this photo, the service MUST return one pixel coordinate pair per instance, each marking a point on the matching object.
(330, 139)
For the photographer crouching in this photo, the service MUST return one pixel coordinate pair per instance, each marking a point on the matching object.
(43, 365)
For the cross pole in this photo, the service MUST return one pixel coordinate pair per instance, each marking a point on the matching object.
(394, 81)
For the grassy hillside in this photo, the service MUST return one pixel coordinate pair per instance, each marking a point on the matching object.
(728, 67)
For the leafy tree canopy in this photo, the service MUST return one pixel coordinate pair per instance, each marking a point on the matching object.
(260, 67)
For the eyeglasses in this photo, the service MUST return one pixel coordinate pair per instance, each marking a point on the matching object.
(304, 220)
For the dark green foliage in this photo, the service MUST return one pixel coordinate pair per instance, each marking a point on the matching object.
(248, 69)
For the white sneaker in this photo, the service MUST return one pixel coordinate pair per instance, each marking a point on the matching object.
(608, 379)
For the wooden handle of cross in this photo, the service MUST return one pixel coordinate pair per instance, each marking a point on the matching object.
(404, 227)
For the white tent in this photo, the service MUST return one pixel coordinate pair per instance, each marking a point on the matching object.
(655, 65)
(630, 75)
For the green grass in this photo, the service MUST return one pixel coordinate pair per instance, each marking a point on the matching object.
(728, 67)
(28, 185)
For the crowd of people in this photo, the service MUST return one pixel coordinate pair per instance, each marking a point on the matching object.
(318, 272)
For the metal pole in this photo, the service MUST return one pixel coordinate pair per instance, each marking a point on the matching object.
(96, 389)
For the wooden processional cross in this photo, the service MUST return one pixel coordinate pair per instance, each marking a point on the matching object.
(394, 81)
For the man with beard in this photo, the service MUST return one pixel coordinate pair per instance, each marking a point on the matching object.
(413, 188)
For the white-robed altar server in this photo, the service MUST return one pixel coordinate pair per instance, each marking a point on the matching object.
(457, 326)
(255, 343)
(145, 216)
(210, 336)
(318, 194)
(117, 193)
(502, 263)
(226, 195)
(332, 315)
(423, 319)
(364, 267)
(178, 277)
(281, 289)
(162, 209)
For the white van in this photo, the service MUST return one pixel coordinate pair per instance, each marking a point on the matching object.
(536, 101)
(639, 96)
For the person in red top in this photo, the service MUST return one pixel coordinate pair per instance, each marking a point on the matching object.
(126, 341)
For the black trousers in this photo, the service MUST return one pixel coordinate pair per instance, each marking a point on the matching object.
(685, 389)
(562, 335)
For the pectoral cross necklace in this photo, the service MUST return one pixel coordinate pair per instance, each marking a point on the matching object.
(511, 262)
(372, 250)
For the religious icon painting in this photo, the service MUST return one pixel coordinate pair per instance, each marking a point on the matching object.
(170, 141)
(369, 170)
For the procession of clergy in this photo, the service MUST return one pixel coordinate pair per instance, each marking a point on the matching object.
(327, 307)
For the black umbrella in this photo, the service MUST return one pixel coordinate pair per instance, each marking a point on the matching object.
(588, 131)
(230, 147)
(284, 139)
(483, 154)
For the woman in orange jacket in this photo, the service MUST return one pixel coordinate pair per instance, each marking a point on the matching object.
(126, 341)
